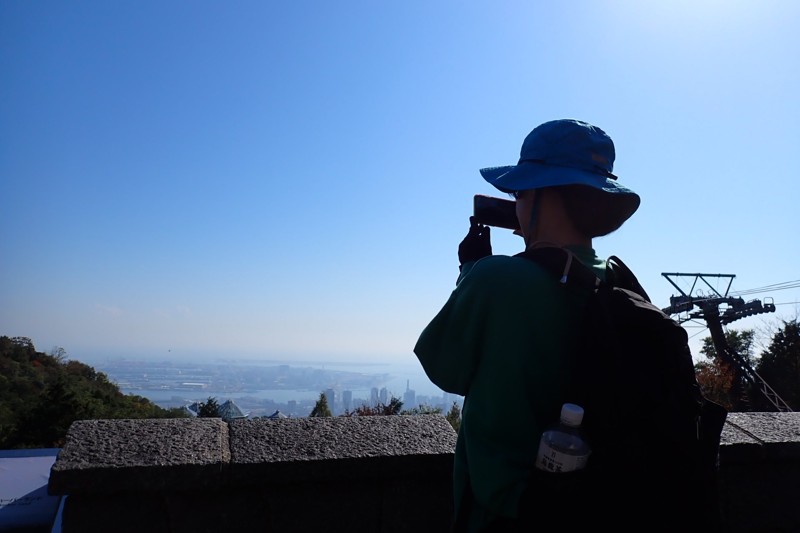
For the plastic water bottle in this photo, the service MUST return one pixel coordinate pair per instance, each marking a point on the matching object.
(563, 448)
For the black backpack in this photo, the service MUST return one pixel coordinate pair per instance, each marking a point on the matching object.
(654, 436)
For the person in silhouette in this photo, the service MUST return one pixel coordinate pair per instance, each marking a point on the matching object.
(502, 337)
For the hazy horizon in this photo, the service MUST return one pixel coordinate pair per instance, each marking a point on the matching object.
(401, 373)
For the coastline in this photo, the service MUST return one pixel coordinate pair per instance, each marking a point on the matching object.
(268, 383)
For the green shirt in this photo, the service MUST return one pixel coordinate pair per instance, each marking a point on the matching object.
(501, 341)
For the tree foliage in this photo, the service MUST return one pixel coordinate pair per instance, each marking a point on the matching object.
(42, 394)
(454, 416)
(208, 408)
(718, 378)
(422, 409)
(741, 342)
(715, 379)
(321, 408)
(380, 409)
(394, 407)
(779, 364)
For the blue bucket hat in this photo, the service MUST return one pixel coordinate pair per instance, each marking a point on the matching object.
(568, 152)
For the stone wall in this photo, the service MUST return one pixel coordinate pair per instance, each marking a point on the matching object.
(760, 472)
(353, 474)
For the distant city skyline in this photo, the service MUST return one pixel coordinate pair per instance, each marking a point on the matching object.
(252, 384)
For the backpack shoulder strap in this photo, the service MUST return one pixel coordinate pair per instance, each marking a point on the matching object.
(561, 263)
(619, 275)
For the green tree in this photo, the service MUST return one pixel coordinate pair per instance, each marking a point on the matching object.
(58, 353)
(209, 408)
(779, 364)
(394, 407)
(740, 342)
(715, 379)
(42, 394)
(718, 378)
(454, 416)
(422, 409)
(48, 421)
(321, 407)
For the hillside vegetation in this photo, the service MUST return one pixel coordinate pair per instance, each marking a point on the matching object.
(42, 394)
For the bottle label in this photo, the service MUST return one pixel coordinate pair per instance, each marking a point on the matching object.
(551, 459)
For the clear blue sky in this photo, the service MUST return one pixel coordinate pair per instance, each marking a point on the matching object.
(292, 179)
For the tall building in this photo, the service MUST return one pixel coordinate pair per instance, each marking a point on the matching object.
(384, 395)
(409, 397)
(373, 396)
(347, 400)
(330, 396)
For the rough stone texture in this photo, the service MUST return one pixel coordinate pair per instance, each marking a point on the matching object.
(152, 454)
(761, 436)
(359, 470)
(301, 439)
(298, 449)
(354, 474)
(759, 472)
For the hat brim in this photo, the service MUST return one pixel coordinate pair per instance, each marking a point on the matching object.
(527, 176)
(618, 202)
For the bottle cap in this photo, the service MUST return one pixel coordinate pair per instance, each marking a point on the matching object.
(571, 414)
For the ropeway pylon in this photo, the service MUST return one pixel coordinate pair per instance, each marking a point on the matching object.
(736, 308)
